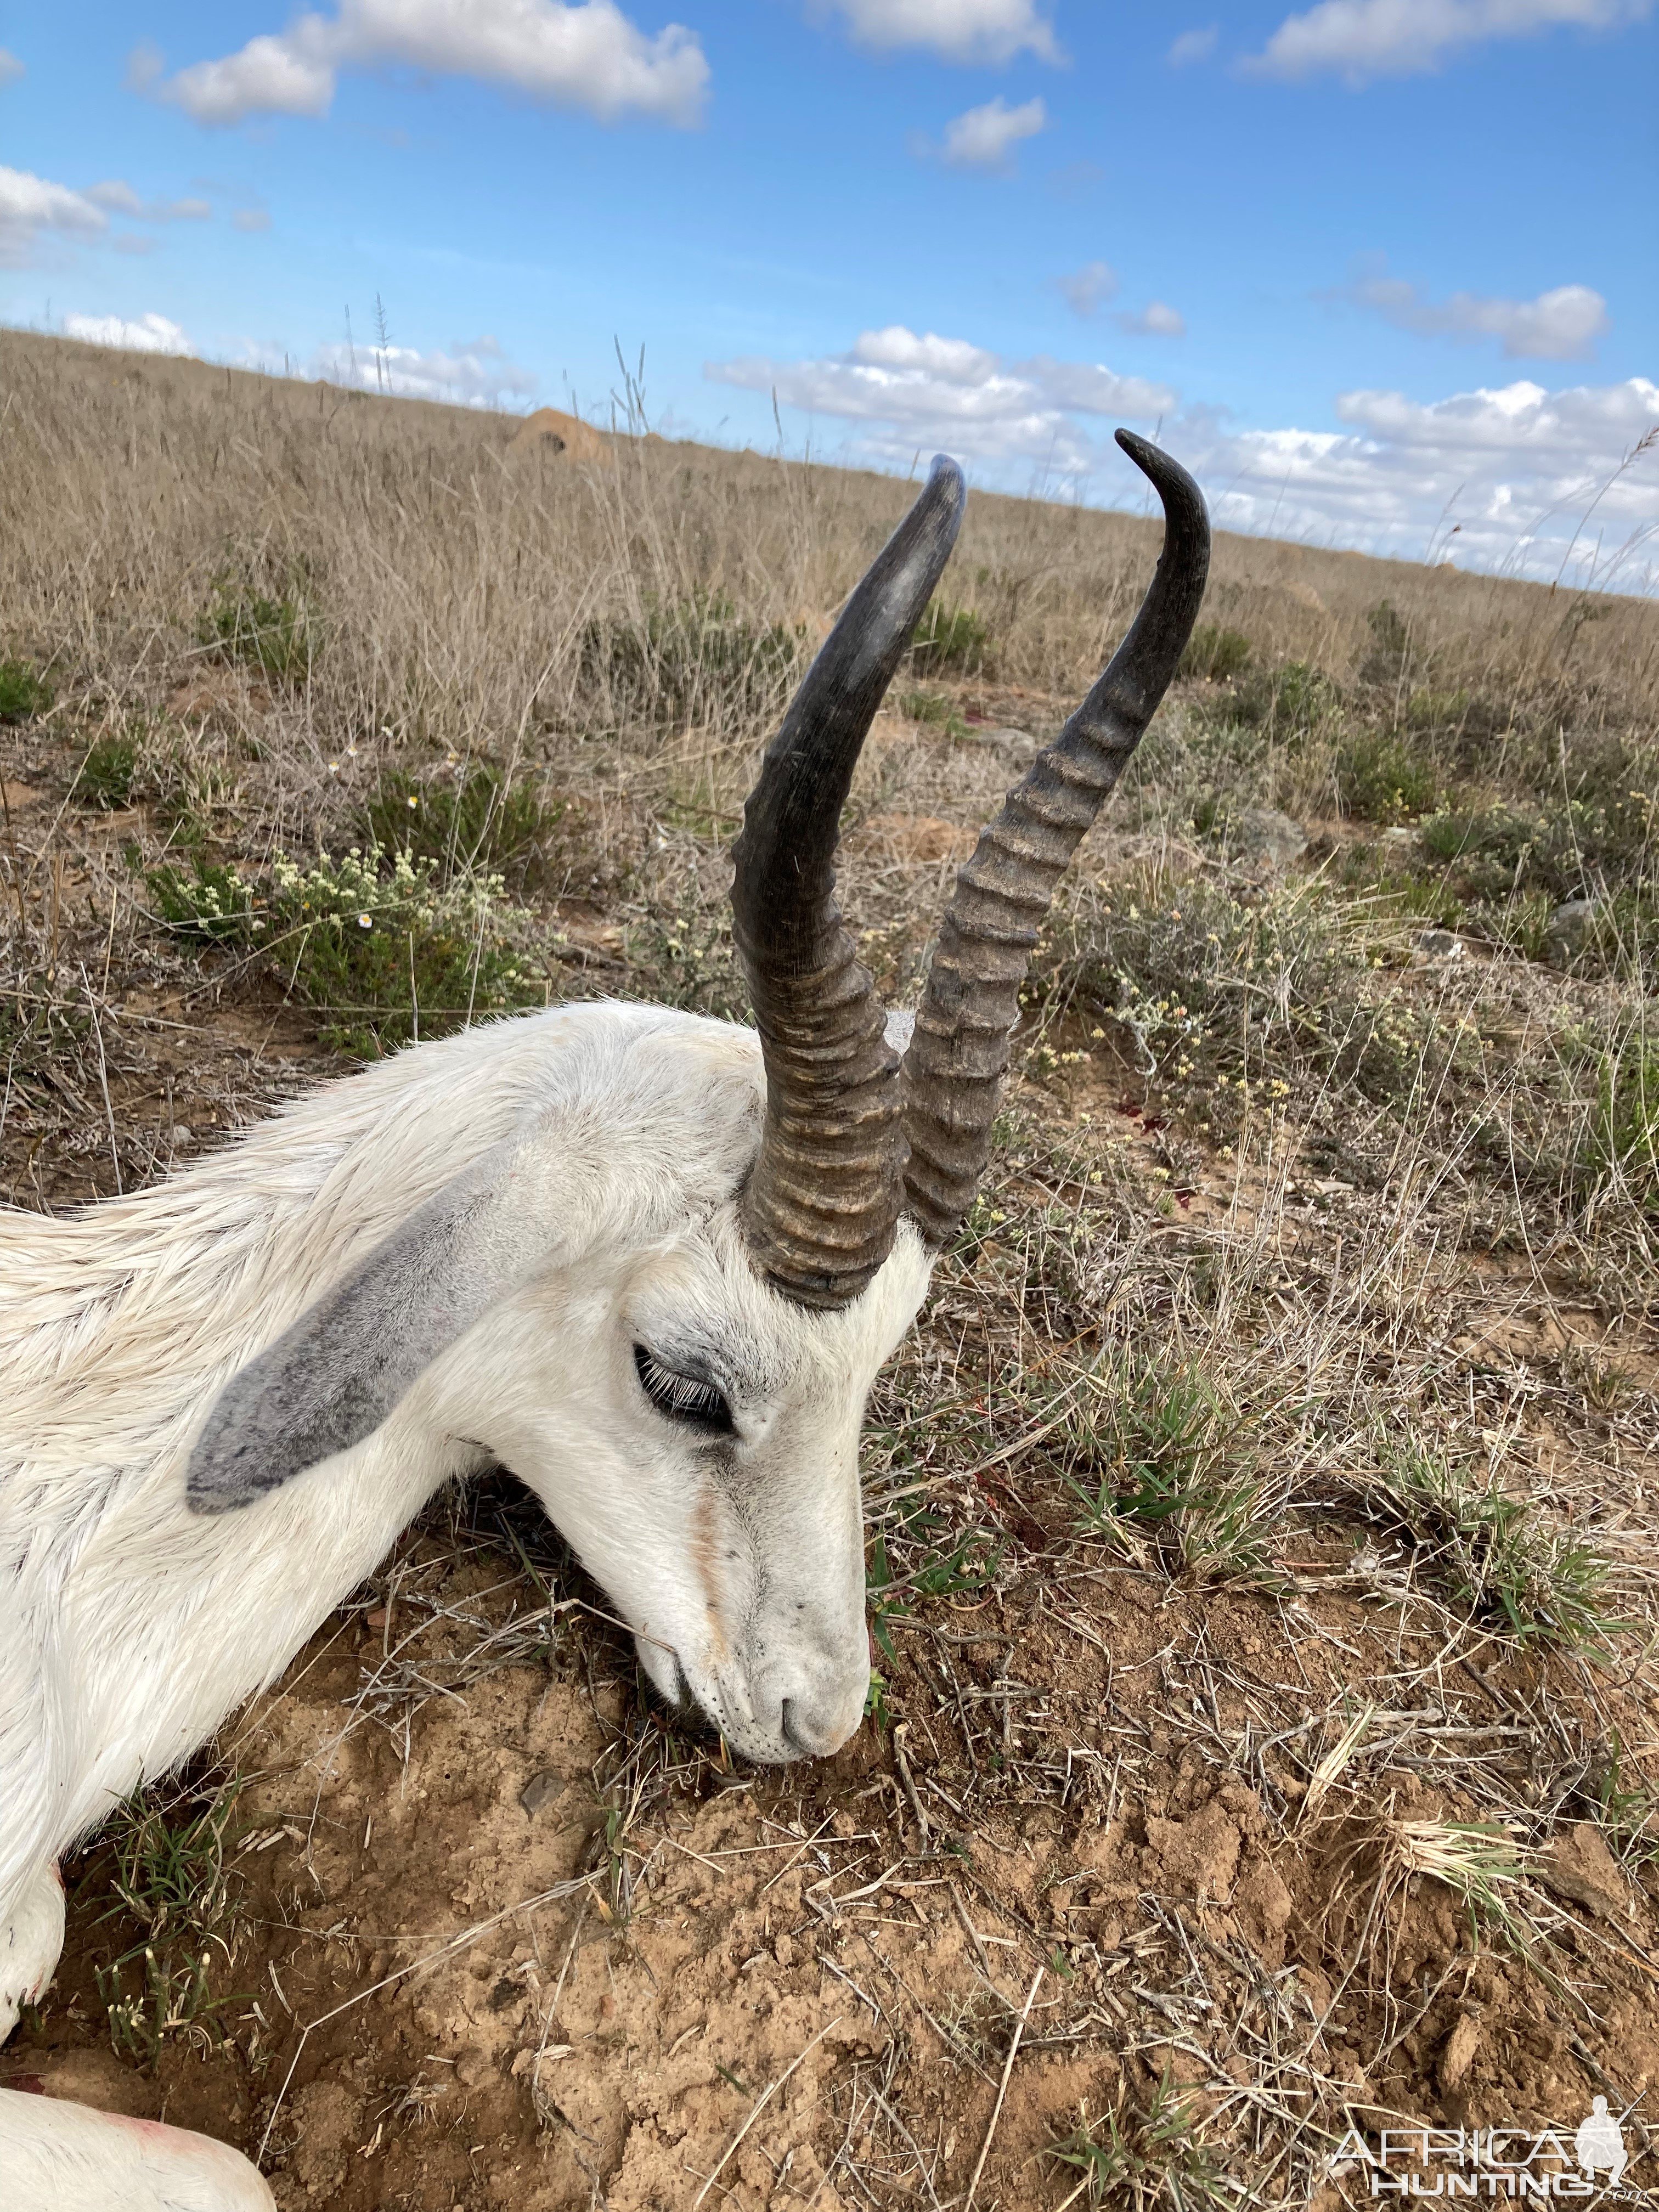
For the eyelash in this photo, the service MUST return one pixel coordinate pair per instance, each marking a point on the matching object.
(682, 1397)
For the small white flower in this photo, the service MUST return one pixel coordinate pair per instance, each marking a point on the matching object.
(365, 922)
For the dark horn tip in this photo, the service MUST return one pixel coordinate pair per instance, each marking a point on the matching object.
(944, 495)
(1169, 479)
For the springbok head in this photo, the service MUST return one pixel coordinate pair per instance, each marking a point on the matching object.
(679, 1369)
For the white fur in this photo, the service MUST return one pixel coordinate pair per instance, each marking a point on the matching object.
(132, 1626)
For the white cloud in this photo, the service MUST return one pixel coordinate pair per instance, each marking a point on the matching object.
(985, 137)
(1087, 288)
(587, 55)
(1194, 46)
(1514, 470)
(1155, 320)
(121, 198)
(474, 373)
(1562, 325)
(149, 334)
(1503, 478)
(957, 360)
(992, 30)
(249, 219)
(30, 206)
(908, 390)
(268, 77)
(10, 68)
(1359, 39)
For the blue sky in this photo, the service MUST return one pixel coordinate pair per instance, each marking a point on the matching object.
(1383, 271)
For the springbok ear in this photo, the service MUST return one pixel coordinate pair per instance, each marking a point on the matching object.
(332, 1378)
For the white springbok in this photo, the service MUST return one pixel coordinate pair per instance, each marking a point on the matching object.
(649, 1262)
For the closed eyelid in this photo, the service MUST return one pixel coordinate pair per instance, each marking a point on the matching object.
(680, 1393)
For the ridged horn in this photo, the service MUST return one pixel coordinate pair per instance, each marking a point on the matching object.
(823, 1201)
(958, 1054)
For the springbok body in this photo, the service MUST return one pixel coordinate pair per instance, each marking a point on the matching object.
(650, 1262)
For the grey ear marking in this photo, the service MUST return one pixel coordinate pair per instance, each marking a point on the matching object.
(332, 1377)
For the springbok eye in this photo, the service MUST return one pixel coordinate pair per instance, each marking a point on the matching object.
(683, 1398)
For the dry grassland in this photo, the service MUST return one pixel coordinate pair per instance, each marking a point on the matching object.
(1263, 1520)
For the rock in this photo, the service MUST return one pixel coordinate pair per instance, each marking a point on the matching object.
(1571, 925)
(540, 1789)
(1579, 1866)
(1457, 2052)
(1264, 837)
(550, 431)
(1440, 945)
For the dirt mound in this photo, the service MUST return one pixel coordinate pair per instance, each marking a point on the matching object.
(549, 430)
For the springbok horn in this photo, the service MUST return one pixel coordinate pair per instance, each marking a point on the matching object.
(959, 1053)
(823, 1201)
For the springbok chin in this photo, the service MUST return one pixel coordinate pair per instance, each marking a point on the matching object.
(649, 1262)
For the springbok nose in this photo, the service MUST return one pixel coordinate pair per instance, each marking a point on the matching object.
(813, 1728)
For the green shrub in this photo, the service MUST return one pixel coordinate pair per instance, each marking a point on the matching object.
(36, 1026)
(1441, 710)
(1159, 1446)
(1495, 1565)
(173, 1877)
(23, 693)
(382, 952)
(1216, 655)
(1513, 864)
(1389, 654)
(106, 773)
(1381, 779)
(480, 820)
(694, 661)
(1289, 702)
(1623, 1137)
(1228, 999)
(924, 706)
(690, 962)
(950, 641)
(210, 902)
(1151, 2155)
(1522, 923)
(275, 635)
